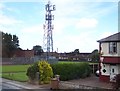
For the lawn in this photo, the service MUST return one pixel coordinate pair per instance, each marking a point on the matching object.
(21, 76)
(15, 72)
(76, 62)
(14, 68)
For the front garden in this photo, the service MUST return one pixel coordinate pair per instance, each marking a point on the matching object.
(15, 72)
(66, 70)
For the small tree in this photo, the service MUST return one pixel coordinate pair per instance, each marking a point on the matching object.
(37, 50)
(46, 72)
(95, 55)
(44, 69)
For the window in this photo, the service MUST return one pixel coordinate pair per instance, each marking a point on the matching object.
(113, 47)
(113, 71)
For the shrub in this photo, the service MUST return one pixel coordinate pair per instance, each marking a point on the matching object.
(46, 72)
(32, 70)
(44, 69)
(69, 71)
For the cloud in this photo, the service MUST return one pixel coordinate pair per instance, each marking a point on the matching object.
(7, 19)
(106, 34)
(59, 0)
(2, 6)
(102, 11)
(87, 23)
(33, 29)
(68, 43)
(30, 36)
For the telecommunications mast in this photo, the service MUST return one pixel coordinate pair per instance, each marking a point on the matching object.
(48, 27)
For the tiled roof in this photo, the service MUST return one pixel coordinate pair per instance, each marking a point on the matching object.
(112, 38)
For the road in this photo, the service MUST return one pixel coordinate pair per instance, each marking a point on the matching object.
(8, 85)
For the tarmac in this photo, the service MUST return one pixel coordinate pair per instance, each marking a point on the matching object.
(92, 81)
(25, 85)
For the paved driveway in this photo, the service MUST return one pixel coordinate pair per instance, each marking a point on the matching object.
(92, 81)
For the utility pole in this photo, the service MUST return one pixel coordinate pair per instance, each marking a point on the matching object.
(48, 29)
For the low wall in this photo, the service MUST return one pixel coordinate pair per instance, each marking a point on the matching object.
(70, 85)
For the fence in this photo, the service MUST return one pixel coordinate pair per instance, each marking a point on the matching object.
(23, 60)
(94, 67)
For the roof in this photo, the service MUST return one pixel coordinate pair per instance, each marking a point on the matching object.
(112, 38)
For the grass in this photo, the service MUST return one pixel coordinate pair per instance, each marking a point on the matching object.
(14, 68)
(15, 72)
(16, 76)
(77, 62)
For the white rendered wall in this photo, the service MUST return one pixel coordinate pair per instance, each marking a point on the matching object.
(119, 69)
(105, 50)
(106, 67)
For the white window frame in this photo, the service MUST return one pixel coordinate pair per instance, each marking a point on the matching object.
(113, 47)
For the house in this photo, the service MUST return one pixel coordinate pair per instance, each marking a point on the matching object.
(71, 56)
(50, 54)
(109, 57)
(24, 53)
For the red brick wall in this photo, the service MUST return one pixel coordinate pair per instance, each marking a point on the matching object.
(24, 53)
(111, 60)
(29, 53)
(104, 78)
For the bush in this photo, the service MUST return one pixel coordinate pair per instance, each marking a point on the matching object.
(44, 69)
(69, 71)
(46, 72)
(32, 70)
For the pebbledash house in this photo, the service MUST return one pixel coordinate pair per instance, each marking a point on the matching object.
(110, 57)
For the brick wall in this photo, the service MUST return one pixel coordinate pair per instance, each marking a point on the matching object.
(24, 53)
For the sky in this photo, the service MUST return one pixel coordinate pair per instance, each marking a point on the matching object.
(78, 24)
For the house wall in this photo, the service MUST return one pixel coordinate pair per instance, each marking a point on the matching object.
(29, 53)
(118, 47)
(105, 49)
(111, 60)
(105, 67)
(106, 76)
(24, 53)
(119, 68)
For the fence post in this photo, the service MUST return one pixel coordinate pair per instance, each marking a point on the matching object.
(93, 68)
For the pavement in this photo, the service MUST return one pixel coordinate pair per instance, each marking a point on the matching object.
(24, 85)
(92, 81)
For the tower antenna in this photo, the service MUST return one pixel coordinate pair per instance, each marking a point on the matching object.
(48, 29)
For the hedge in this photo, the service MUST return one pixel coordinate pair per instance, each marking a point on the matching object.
(69, 71)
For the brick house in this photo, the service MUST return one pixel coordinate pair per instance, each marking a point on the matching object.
(70, 56)
(24, 53)
(110, 57)
(74, 57)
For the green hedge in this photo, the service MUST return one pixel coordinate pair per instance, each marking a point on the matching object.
(69, 71)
